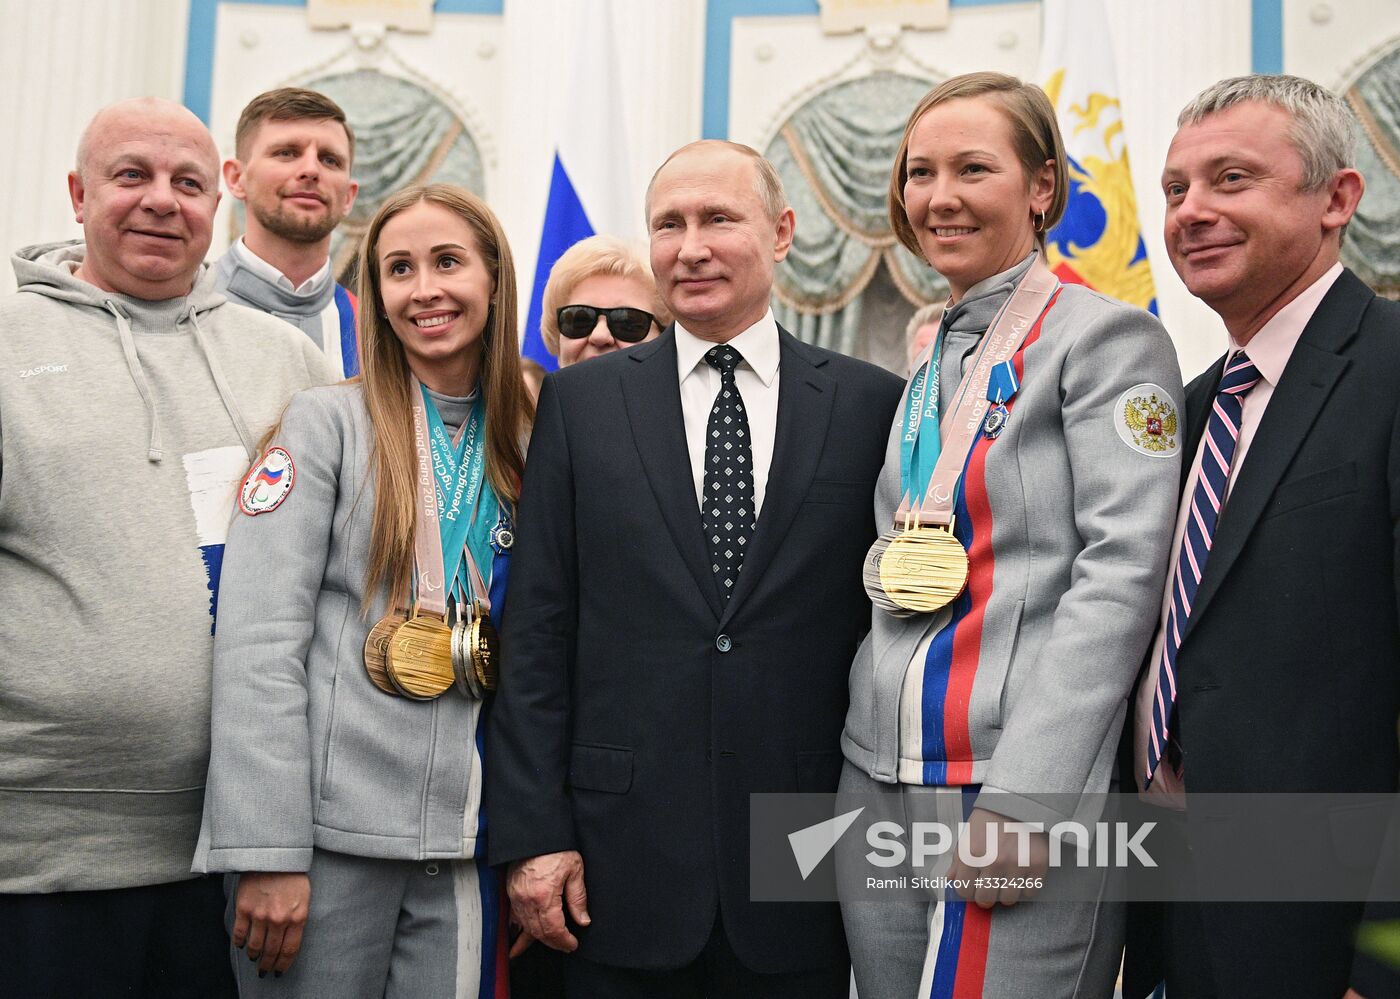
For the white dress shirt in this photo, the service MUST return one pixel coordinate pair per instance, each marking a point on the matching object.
(757, 379)
(1269, 351)
(271, 274)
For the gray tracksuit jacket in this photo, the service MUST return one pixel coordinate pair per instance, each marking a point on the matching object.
(1020, 684)
(306, 751)
(125, 427)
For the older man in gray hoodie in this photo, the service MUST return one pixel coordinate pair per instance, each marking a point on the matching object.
(132, 399)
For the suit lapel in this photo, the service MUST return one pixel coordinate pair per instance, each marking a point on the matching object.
(651, 389)
(805, 397)
(1307, 382)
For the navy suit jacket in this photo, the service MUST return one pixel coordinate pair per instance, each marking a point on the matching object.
(1289, 671)
(638, 710)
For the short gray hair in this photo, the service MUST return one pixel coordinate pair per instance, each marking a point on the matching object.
(1323, 128)
(767, 184)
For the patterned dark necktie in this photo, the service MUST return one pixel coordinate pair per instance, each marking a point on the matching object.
(1217, 455)
(728, 508)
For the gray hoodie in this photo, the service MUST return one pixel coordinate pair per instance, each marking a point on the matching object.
(125, 426)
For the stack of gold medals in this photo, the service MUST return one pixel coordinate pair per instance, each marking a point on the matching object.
(917, 570)
(422, 656)
(441, 644)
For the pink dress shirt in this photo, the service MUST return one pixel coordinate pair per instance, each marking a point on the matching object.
(1270, 350)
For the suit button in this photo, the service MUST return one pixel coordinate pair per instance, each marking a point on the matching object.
(723, 643)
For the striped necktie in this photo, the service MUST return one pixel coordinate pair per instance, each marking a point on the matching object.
(1222, 433)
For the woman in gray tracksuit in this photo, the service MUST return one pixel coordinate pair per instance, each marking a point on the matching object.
(1007, 702)
(349, 816)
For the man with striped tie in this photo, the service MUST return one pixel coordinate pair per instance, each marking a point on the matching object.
(1277, 664)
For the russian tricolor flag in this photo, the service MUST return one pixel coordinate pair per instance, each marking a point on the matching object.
(590, 190)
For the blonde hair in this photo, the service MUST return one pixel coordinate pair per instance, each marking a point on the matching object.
(589, 258)
(1034, 132)
(385, 371)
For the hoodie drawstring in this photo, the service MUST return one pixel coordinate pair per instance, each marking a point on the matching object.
(138, 376)
(225, 395)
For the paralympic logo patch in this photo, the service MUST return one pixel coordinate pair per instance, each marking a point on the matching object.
(267, 484)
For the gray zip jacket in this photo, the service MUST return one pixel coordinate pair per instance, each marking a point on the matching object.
(125, 427)
(1021, 684)
(306, 751)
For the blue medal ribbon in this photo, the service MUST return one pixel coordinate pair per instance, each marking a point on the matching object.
(1001, 386)
(921, 443)
(1003, 383)
(467, 505)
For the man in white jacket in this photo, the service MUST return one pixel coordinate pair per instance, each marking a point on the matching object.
(132, 397)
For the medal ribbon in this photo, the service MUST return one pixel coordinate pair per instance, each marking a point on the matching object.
(918, 453)
(456, 504)
(429, 592)
(1003, 383)
(466, 502)
(1008, 331)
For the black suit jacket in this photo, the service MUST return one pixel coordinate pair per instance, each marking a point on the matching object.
(637, 710)
(1289, 671)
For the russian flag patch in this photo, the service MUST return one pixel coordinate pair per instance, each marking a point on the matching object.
(267, 484)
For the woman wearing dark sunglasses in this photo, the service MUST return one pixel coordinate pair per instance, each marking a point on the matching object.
(600, 297)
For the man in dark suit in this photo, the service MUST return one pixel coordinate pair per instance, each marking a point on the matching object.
(685, 600)
(1277, 668)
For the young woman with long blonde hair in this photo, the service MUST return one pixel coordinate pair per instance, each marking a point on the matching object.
(355, 654)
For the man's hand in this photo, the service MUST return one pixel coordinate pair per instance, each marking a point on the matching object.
(536, 887)
(269, 915)
(1025, 881)
(522, 940)
(1353, 994)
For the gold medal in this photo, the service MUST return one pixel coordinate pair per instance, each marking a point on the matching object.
(919, 570)
(420, 657)
(377, 650)
(924, 569)
(474, 652)
(485, 647)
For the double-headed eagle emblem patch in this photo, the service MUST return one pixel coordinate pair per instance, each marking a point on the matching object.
(1147, 421)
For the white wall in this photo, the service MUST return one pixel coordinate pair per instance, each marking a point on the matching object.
(1332, 42)
(61, 61)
